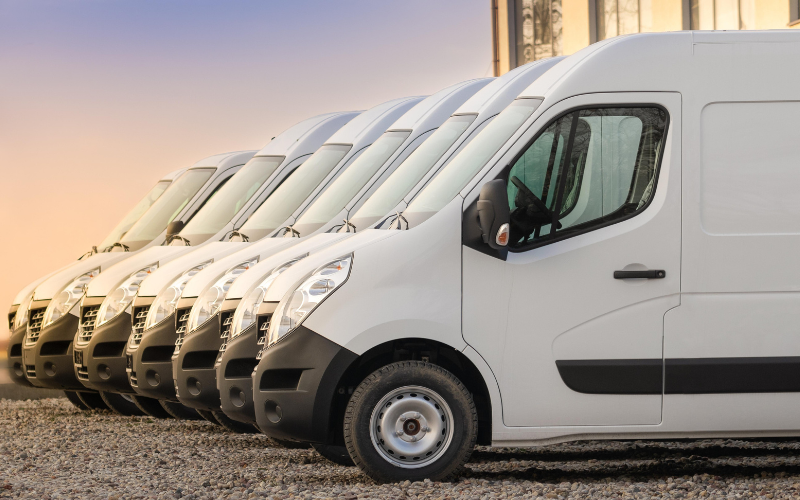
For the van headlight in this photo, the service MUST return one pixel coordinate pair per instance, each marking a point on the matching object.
(21, 316)
(247, 311)
(167, 299)
(298, 304)
(208, 304)
(67, 298)
(121, 298)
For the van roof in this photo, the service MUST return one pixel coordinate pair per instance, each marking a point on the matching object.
(306, 132)
(218, 160)
(172, 175)
(494, 97)
(352, 132)
(725, 64)
(416, 116)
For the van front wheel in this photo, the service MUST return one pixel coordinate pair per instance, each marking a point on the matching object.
(410, 420)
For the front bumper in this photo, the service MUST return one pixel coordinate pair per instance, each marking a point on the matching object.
(101, 363)
(48, 362)
(193, 367)
(234, 370)
(295, 384)
(150, 362)
(16, 368)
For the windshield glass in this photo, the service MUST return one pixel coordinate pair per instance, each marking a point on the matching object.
(347, 185)
(134, 215)
(455, 176)
(232, 197)
(166, 208)
(288, 196)
(414, 168)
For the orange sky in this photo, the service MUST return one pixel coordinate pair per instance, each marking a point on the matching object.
(98, 99)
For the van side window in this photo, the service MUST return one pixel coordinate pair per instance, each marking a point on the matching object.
(587, 169)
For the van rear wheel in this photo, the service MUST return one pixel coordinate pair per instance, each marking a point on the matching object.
(410, 420)
(121, 404)
(73, 398)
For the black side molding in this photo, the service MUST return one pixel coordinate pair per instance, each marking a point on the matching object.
(650, 274)
(682, 375)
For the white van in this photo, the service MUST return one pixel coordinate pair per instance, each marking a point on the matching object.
(18, 312)
(99, 355)
(53, 309)
(384, 151)
(610, 258)
(193, 363)
(239, 354)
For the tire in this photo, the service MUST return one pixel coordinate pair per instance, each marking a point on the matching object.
(92, 400)
(434, 416)
(336, 454)
(234, 425)
(73, 398)
(150, 407)
(179, 411)
(121, 404)
(208, 416)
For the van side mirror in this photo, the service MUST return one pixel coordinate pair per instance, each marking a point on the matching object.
(174, 228)
(494, 214)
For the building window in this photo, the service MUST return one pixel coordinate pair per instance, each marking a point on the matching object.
(623, 17)
(538, 26)
(723, 14)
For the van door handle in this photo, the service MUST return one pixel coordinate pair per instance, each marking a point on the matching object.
(650, 274)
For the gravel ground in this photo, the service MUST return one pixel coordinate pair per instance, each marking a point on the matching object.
(48, 449)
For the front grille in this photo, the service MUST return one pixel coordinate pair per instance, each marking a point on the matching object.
(226, 320)
(11, 318)
(180, 327)
(35, 325)
(88, 320)
(83, 373)
(30, 371)
(139, 317)
(263, 326)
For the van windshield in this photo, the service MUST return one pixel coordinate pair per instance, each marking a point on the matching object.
(133, 215)
(413, 169)
(288, 196)
(455, 176)
(166, 208)
(353, 179)
(232, 197)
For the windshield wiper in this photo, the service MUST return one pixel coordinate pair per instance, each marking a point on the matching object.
(89, 253)
(124, 247)
(178, 237)
(291, 229)
(400, 218)
(240, 234)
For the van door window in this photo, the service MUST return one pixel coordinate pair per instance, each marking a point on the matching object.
(587, 169)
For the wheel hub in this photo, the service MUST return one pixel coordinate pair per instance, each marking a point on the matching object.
(411, 427)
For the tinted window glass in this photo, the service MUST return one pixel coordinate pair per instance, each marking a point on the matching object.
(134, 215)
(233, 196)
(355, 177)
(455, 176)
(288, 196)
(601, 169)
(168, 206)
(414, 168)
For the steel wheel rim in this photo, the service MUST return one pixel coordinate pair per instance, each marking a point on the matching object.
(411, 427)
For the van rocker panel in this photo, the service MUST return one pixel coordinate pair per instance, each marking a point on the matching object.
(314, 365)
(106, 373)
(151, 360)
(197, 386)
(53, 367)
(16, 368)
(240, 352)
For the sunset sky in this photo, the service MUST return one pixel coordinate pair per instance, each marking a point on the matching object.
(100, 98)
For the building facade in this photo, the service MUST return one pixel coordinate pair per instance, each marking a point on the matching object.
(527, 30)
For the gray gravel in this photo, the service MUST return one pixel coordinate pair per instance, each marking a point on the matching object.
(48, 449)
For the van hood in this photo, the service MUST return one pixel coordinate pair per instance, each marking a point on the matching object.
(25, 294)
(169, 272)
(109, 279)
(261, 249)
(289, 278)
(270, 261)
(53, 285)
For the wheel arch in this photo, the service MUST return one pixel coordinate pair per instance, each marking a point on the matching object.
(413, 349)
